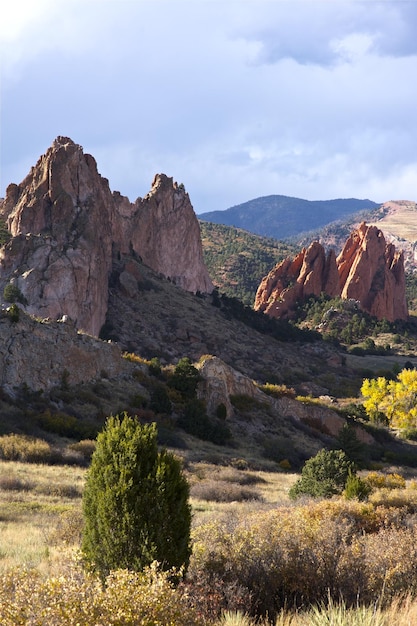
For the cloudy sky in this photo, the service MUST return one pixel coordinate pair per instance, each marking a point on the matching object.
(235, 98)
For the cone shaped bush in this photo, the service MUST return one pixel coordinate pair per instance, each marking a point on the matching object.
(135, 502)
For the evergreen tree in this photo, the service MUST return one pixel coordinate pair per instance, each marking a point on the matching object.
(135, 501)
(185, 378)
(323, 475)
(348, 441)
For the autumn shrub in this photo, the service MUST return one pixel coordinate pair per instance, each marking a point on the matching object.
(25, 448)
(84, 448)
(278, 391)
(210, 596)
(68, 530)
(77, 599)
(223, 491)
(301, 555)
(378, 480)
(10, 482)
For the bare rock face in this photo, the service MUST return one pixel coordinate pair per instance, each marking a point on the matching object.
(60, 255)
(220, 381)
(67, 227)
(367, 270)
(43, 354)
(372, 272)
(310, 273)
(163, 230)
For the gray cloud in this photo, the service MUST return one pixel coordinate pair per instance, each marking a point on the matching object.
(234, 99)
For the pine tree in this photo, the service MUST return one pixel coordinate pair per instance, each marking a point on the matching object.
(135, 501)
(324, 475)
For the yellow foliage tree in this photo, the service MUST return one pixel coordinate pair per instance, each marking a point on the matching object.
(393, 400)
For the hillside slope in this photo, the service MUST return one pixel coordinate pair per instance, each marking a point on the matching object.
(237, 260)
(397, 220)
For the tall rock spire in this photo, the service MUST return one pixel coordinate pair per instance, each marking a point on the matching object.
(66, 225)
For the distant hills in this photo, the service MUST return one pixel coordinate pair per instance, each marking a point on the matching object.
(282, 217)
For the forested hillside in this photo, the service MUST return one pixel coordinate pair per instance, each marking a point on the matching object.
(238, 260)
(282, 216)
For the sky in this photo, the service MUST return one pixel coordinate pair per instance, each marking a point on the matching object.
(236, 99)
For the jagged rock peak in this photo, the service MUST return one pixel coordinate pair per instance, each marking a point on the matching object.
(67, 227)
(372, 272)
(311, 273)
(367, 270)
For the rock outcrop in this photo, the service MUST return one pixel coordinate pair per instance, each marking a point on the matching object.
(309, 274)
(367, 270)
(67, 227)
(372, 272)
(220, 381)
(43, 354)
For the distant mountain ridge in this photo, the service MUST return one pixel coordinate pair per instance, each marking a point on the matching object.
(282, 217)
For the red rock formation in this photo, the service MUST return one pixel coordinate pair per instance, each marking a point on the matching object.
(372, 272)
(66, 227)
(368, 270)
(309, 274)
(163, 230)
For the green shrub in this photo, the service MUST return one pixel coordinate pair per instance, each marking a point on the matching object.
(243, 403)
(221, 411)
(195, 421)
(12, 294)
(66, 425)
(160, 402)
(14, 313)
(323, 475)
(356, 488)
(135, 501)
(185, 378)
(347, 440)
(155, 368)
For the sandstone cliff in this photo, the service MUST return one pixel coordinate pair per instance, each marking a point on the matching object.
(67, 227)
(367, 270)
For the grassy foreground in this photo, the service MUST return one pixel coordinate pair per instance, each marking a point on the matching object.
(256, 555)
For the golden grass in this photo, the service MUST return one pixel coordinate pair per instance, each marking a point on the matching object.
(41, 522)
(32, 518)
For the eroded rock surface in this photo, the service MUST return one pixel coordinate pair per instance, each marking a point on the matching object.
(367, 270)
(43, 354)
(67, 227)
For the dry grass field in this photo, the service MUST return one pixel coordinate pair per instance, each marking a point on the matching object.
(400, 221)
(253, 547)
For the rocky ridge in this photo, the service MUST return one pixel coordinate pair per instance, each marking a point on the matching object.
(368, 270)
(42, 354)
(67, 228)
